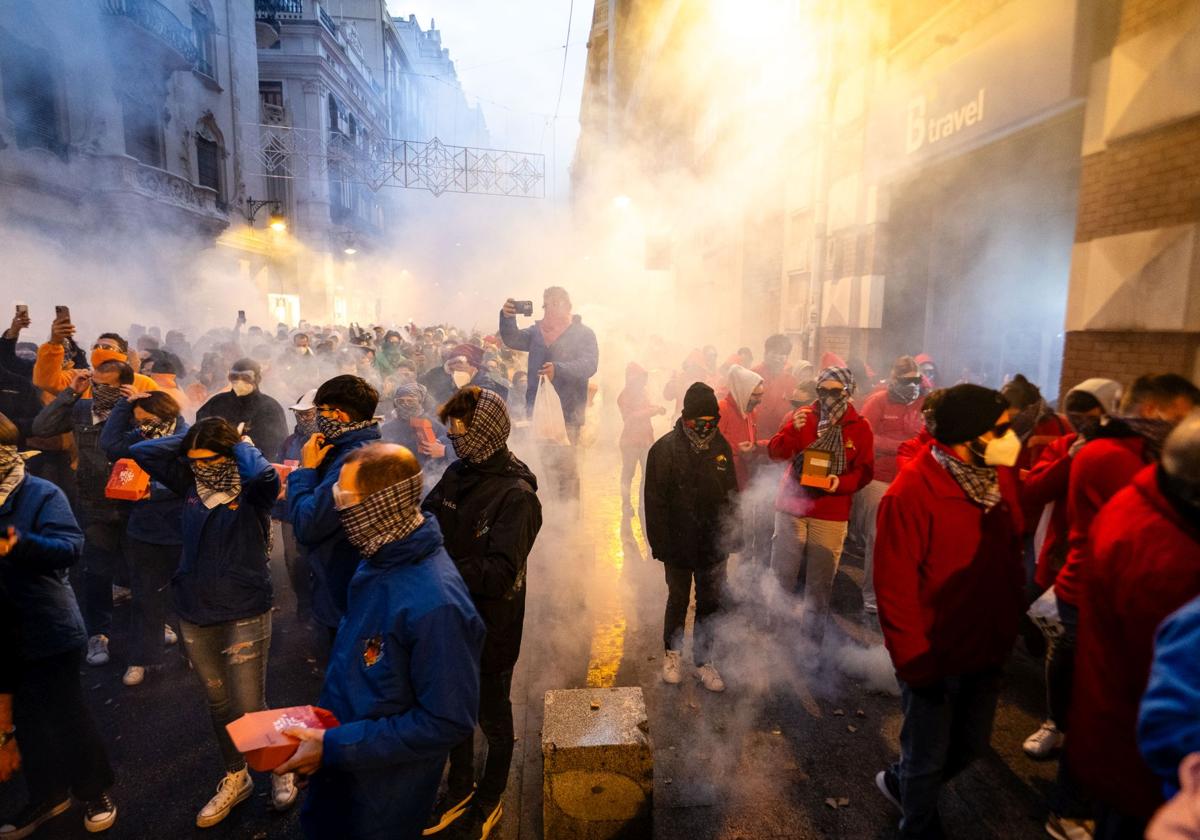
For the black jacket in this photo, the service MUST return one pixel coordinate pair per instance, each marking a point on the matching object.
(490, 515)
(690, 499)
(68, 412)
(263, 416)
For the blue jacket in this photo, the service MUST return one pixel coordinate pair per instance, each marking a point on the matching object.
(35, 571)
(575, 355)
(223, 575)
(156, 519)
(403, 679)
(399, 430)
(1168, 725)
(319, 530)
(289, 451)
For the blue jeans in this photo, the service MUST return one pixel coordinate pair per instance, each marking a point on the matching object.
(946, 726)
(231, 661)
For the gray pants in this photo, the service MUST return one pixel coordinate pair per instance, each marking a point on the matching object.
(812, 547)
(231, 661)
(866, 507)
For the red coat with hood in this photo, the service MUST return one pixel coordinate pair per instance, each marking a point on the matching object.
(739, 426)
(1046, 484)
(948, 575)
(892, 423)
(1144, 565)
(789, 442)
(777, 393)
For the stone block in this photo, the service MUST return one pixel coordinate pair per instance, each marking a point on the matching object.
(598, 765)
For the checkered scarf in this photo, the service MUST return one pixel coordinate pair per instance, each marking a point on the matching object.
(386, 516)
(981, 484)
(154, 429)
(217, 484)
(829, 427)
(12, 471)
(104, 397)
(487, 432)
(334, 429)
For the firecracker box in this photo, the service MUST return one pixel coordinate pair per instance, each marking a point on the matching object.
(259, 735)
(127, 481)
(815, 470)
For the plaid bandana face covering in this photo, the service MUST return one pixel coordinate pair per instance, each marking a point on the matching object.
(12, 471)
(217, 483)
(488, 431)
(333, 428)
(981, 484)
(104, 397)
(156, 428)
(386, 516)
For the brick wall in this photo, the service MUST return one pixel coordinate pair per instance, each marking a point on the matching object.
(1126, 355)
(1141, 183)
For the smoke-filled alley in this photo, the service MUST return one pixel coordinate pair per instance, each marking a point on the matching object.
(677, 419)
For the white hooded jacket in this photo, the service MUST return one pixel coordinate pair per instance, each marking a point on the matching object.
(742, 383)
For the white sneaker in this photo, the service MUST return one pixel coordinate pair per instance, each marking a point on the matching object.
(1065, 828)
(97, 653)
(232, 789)
(134, 675)
(169, 637)
(709, 678)
(283, 791)
(672, 667)
(1044, 743)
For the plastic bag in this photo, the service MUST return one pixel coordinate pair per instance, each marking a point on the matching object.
(549, 426)
(1044, 613)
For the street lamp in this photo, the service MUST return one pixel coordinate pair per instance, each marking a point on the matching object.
(276, 221)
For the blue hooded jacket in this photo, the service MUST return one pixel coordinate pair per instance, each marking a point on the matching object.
(157, 519)
(35, 571)
(403, 679)
(1168, 725)
(223, 575)
(288, 451)
(318, 529)
(575, 356)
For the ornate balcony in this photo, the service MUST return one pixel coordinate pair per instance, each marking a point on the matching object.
(146, 191)
(278, 9)
(156, 19)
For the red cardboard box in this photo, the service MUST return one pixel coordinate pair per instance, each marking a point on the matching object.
(127, 481)
(284, 470)
(259, 735)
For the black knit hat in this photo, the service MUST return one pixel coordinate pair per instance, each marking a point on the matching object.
(700, 401)
(967, 411)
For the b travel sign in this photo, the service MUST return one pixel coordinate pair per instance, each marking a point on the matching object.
(1012, 66)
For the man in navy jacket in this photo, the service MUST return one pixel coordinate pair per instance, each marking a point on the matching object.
(403, 677)
(345, 422)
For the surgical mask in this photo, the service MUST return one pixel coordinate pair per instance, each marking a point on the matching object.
(242, 388)
(461, 378)
(1002, 451)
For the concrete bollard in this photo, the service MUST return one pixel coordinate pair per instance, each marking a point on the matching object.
(598, 765)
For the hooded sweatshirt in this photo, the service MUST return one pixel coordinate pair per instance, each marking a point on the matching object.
(738, 425)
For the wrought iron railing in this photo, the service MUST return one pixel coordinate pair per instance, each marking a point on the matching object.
(328, 21)
(158, 19)
(292, 9)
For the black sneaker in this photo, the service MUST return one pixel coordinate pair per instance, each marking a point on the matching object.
(100, 814)
(889, 786)
(449, 807)
(31, 818)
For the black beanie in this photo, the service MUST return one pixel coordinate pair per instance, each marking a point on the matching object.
(965, 412)
(700, 401)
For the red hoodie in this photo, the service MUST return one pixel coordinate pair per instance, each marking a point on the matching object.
(802, 501)
(893, 424)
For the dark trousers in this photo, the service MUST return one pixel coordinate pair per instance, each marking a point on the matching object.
(101, 561)
(946, 726)
(150, 569)
(496, 722)
(710, 586)
(1067, 799)
(231, 661)
(61, 750)
(299, 574)
(1113, 825)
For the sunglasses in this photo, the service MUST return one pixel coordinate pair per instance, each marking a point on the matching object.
(1001, 430)
(830, 392)
(909, 380)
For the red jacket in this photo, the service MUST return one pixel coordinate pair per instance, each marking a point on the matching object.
(911, 448)
(1046, 484)
(738, 429)
(1144, 565)
(1102, 468)
(892, 423)
(803, 501)
(1044, 433)
(777, 394)
(948, 576)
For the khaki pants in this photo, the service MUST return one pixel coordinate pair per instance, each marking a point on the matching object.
(811, 547)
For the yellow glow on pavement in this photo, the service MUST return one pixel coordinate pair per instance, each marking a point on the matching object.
(608, 635)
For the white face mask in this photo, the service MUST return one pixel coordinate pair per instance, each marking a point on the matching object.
(461, 378)
(242, 388)
(1002, 451)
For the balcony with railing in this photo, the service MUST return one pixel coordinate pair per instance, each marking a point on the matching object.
(279, 9)
(175, 38)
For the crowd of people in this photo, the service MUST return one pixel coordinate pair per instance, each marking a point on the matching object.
(162, 470)
(980, 516)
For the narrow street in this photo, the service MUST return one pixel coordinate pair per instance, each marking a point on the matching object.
(770, 758)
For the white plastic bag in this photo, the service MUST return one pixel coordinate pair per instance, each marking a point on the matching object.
(549, 426)
(1044, 613)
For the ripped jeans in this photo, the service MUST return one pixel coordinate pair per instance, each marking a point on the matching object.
(231, 661)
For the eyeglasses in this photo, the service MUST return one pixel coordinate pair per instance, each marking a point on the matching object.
(830, 392)
(1001, 429)
(343, 499)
